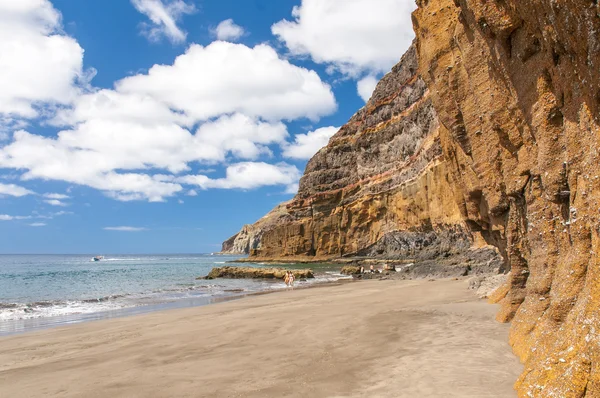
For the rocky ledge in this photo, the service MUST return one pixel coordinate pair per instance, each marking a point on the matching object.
(256, 273)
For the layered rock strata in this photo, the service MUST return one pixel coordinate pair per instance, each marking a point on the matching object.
(380, 188)
(491, 137)
(250, 236)
(516, 86)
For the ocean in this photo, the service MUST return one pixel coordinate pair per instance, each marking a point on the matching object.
(40, 291)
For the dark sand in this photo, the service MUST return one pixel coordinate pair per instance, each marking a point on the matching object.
(368, 339)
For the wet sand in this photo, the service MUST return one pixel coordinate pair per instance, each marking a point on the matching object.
(366, 339)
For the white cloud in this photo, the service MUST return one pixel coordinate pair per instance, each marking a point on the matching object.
(37, 224)
(180, 201)
(192, 192)
(292, 189)
(306, 145)
(56, 202)
(125, 229)
(6, 217)
(90, 154)
(366, 86)
(60, 213)
(248, 175)
(241, 136)
(224, 78)
(58, 196)
(352, 36)
(227, 30)
(236, 95)
(39, 64)
(14, 190)
(163, 18)
(34, 215)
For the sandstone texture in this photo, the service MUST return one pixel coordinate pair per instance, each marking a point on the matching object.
(381, 188)
(248, 240)
(350, 270)
(256, 273)
(486, 134)
(516, 87)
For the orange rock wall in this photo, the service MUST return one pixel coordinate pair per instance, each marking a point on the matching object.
(516, 86)
(333, 229)
(379, 188)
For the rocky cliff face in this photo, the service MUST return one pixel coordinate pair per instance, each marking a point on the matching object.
(249, 239)
(516, 86)
(487, 132)
(381, 188)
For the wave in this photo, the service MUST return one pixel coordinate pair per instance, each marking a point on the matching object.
(46, 309)
(129, 259)
(11, 311)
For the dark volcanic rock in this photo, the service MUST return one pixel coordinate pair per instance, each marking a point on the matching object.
(256, 273)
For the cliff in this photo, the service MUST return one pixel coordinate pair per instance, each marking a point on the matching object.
(516, 86)
(380, 188)
(249, 239)
(486, 132)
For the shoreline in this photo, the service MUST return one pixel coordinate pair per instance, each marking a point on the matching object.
(385, 338)
(23, 326)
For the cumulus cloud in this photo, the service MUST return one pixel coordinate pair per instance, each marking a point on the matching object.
(163, 16)
(352, 36)
(40, 64)
(14, 190)
(366, 86)
(241, 136)
(218, 104)
(236, 95)
(248, 175)
(306, 145)
(223, 77)
(227, 30)
(125, 229)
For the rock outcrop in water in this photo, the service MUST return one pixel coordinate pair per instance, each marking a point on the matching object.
(516, 86)
(487, 132)
(256, 273)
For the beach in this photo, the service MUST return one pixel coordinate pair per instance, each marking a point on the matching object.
(383, 338)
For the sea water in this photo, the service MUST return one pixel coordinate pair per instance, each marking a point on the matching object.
(38, 291)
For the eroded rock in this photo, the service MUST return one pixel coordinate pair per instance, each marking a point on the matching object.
(516, 86)
(231, 272)
(351, 270)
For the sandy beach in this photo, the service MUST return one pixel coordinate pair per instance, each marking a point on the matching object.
(366, 339)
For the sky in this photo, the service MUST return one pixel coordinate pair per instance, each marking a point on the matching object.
(164, 126)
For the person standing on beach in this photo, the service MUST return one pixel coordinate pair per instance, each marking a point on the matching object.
(286, 278)
(292, 279)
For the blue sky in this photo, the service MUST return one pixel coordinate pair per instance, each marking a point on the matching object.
(163, 126)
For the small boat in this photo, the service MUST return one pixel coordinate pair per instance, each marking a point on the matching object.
(98, 258)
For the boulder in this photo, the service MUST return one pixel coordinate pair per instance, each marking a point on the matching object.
(350, 270)
(256, 273)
